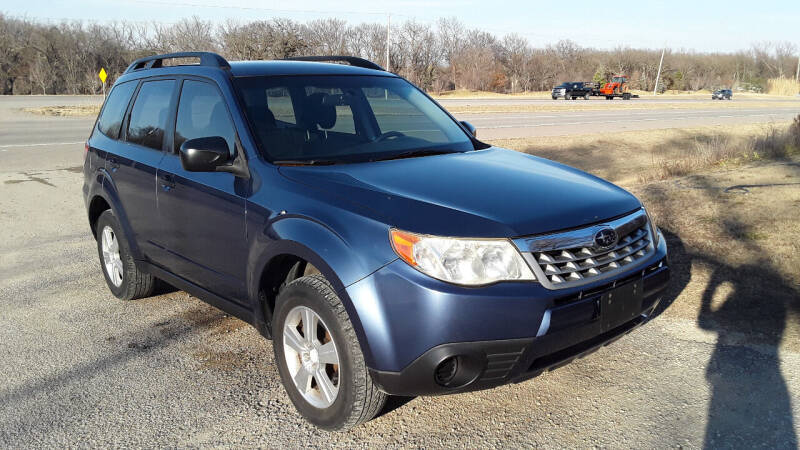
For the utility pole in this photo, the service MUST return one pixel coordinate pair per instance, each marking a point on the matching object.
(797, 74)
(388, 30)
(658, 76)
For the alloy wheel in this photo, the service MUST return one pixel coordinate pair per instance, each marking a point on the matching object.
(311, 357)
(111, 259)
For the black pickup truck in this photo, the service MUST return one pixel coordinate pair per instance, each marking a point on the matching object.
(572, 90)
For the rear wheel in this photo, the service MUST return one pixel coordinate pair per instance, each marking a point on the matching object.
(319, 358)
(122, 276)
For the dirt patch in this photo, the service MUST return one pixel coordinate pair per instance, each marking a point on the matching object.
(31, 177)
(207, 317)
(65, 111)
(222, 360)
(734, 251)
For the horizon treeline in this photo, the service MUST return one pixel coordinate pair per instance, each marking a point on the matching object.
(64, 58)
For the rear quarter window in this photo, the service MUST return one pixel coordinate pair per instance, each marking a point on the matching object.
(110, 120)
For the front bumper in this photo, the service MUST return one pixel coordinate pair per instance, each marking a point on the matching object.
(409, 324)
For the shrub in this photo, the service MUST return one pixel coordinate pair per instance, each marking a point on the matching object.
(717, 149)
(782, 86)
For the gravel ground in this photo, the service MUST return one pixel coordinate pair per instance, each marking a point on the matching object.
(82, 369)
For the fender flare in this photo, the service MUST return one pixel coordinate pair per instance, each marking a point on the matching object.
(320, 246)
(105, 188)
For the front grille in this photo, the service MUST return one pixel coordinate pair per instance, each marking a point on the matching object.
(578, 263)
(572, 258)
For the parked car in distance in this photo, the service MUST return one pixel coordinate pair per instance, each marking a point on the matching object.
(572, 90)
(353, 221)
(722, 94)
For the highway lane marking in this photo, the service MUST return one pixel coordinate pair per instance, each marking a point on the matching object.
(623, 114)
(43, 144)
(555, 124)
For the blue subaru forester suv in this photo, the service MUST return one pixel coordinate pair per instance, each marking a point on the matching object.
(349, 218)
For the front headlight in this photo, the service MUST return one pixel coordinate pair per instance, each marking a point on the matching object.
(653, 227)
(470, 262)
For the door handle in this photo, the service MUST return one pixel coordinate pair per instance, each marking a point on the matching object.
(167, 182)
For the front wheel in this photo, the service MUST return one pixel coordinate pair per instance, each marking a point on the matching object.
(319, 358)
(124, 279)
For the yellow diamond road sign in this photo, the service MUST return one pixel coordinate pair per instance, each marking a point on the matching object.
(103, 75)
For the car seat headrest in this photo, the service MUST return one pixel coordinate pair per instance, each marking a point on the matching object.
(317, 112)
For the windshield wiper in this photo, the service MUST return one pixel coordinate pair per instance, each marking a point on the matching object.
(414, 154)
(305, 162)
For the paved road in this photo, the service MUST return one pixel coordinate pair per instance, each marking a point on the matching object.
(491, 125)
(646, 99)
(557, 123)
(663, 113)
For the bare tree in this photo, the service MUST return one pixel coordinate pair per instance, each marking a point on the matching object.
(451, 33)
(65, 57)
(516, 56)
(41, 74)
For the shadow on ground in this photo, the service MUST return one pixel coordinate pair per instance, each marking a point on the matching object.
(747, 306)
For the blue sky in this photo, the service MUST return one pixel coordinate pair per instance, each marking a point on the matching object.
(698, 25)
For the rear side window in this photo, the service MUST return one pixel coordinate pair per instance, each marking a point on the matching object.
(202, 113)
(149, 114)
(113, 112)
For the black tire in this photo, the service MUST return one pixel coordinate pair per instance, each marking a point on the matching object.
(358, 400)
(135, 283)
(554, 97)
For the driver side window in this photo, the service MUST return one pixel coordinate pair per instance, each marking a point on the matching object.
(202, 113)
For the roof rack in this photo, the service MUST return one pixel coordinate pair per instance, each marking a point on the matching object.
(156, 61)
(352, 60)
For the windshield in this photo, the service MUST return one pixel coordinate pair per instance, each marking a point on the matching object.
(346, 119)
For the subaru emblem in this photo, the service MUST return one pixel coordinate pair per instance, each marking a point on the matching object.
(605, 238)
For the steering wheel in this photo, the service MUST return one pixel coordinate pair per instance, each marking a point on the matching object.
(389, 135)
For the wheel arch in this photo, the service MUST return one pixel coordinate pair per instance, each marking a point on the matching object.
(291, 241)
(103, 196)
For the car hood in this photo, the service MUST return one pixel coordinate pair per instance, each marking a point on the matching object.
(484, 193)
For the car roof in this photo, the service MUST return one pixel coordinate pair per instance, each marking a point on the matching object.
(283, 67)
